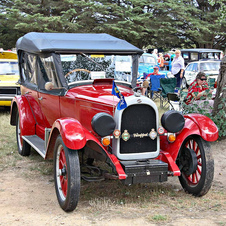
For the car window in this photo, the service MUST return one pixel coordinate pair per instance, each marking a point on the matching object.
(29, 68)
(189, 67)
(195, 67)
(185, 55)
(82, 67)
(48, 72)
(141, 59)
(9, 68)
(194, 56)
(210, 66)
(149, 60)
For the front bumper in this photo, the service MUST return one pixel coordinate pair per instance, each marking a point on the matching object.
(7, 94)
(145, 171)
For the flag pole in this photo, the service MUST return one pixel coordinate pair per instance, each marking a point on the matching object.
(113, 105)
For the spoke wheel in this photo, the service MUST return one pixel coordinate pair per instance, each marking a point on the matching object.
(197, 166)
(24, 148)
(66, 175)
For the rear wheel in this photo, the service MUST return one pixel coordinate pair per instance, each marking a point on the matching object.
(24, 148)
(197, 166)
(66, 175)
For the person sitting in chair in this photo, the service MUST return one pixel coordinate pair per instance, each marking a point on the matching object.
(144, 88)
(156, 72)
(198, 89)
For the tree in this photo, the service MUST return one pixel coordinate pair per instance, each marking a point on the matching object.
(159, 23)
(219, 111)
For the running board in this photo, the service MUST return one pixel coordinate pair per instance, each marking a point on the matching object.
(37, 143)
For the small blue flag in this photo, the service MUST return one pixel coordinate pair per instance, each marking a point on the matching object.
(122, 102)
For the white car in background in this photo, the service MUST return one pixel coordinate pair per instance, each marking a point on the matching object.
(209, 67)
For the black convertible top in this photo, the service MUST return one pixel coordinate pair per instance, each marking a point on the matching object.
(35, 42)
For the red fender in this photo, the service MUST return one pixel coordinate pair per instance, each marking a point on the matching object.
(113, 158)
(27, 121)
(195, 124)
(207, 127)
(75, 137)
(71, 132)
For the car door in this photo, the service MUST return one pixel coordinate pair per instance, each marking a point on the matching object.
(48, 98)
(29, 89)
(188, 73)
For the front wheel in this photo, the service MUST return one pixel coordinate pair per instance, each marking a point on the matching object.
(197, 166)
(66, 175)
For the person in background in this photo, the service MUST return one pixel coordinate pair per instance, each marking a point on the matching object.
(156, 72)
(155, 54)
(178, 67)
(161, 61)
(199, 88)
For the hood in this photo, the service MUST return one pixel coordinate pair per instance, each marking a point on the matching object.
(99, 93)
(9, 80)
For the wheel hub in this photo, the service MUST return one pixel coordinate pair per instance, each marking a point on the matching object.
(189, 161)
(64, 171)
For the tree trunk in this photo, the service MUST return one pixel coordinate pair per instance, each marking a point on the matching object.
(221, 88)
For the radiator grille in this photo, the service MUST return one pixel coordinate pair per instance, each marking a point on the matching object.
(8, 91)
(139, 118)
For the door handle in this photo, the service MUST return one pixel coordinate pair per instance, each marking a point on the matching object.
(40, 98)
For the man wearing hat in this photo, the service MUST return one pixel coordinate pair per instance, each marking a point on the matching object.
(156, 71)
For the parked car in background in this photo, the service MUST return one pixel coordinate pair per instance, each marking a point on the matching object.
(9, 75)
(146, 65)
(191, 55)
(209, 67)
(72, 110)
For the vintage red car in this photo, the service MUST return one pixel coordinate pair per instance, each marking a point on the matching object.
(75, 110)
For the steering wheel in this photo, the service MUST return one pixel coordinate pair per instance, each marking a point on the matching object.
(77, 69)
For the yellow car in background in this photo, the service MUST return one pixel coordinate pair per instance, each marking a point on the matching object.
(9, 76)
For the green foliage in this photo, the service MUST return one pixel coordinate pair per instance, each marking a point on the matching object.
(205, 109)
(157, 23)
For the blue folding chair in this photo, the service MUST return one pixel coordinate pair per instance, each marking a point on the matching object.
(155, 86)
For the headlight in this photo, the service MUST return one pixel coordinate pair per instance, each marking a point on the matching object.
(103, 124)
(173, 121)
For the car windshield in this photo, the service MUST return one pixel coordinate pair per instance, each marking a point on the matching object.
(9, 68)
(210, 66)
(80, 67)
(149, 60)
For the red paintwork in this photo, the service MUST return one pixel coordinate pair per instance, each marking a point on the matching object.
(208, 129)
(71, 132)
(172, 166)
(27, 121)
(71, 116)
(195, 124)
(32, 97)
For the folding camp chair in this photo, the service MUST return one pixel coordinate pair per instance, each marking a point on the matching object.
(167, 85)
(155, 86)
(211, 82)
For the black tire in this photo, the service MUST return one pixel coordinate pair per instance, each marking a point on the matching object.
(199, 181)
(184, 84)
(66, 175)
(24, 148)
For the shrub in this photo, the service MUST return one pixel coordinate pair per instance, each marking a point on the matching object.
(205, 109)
